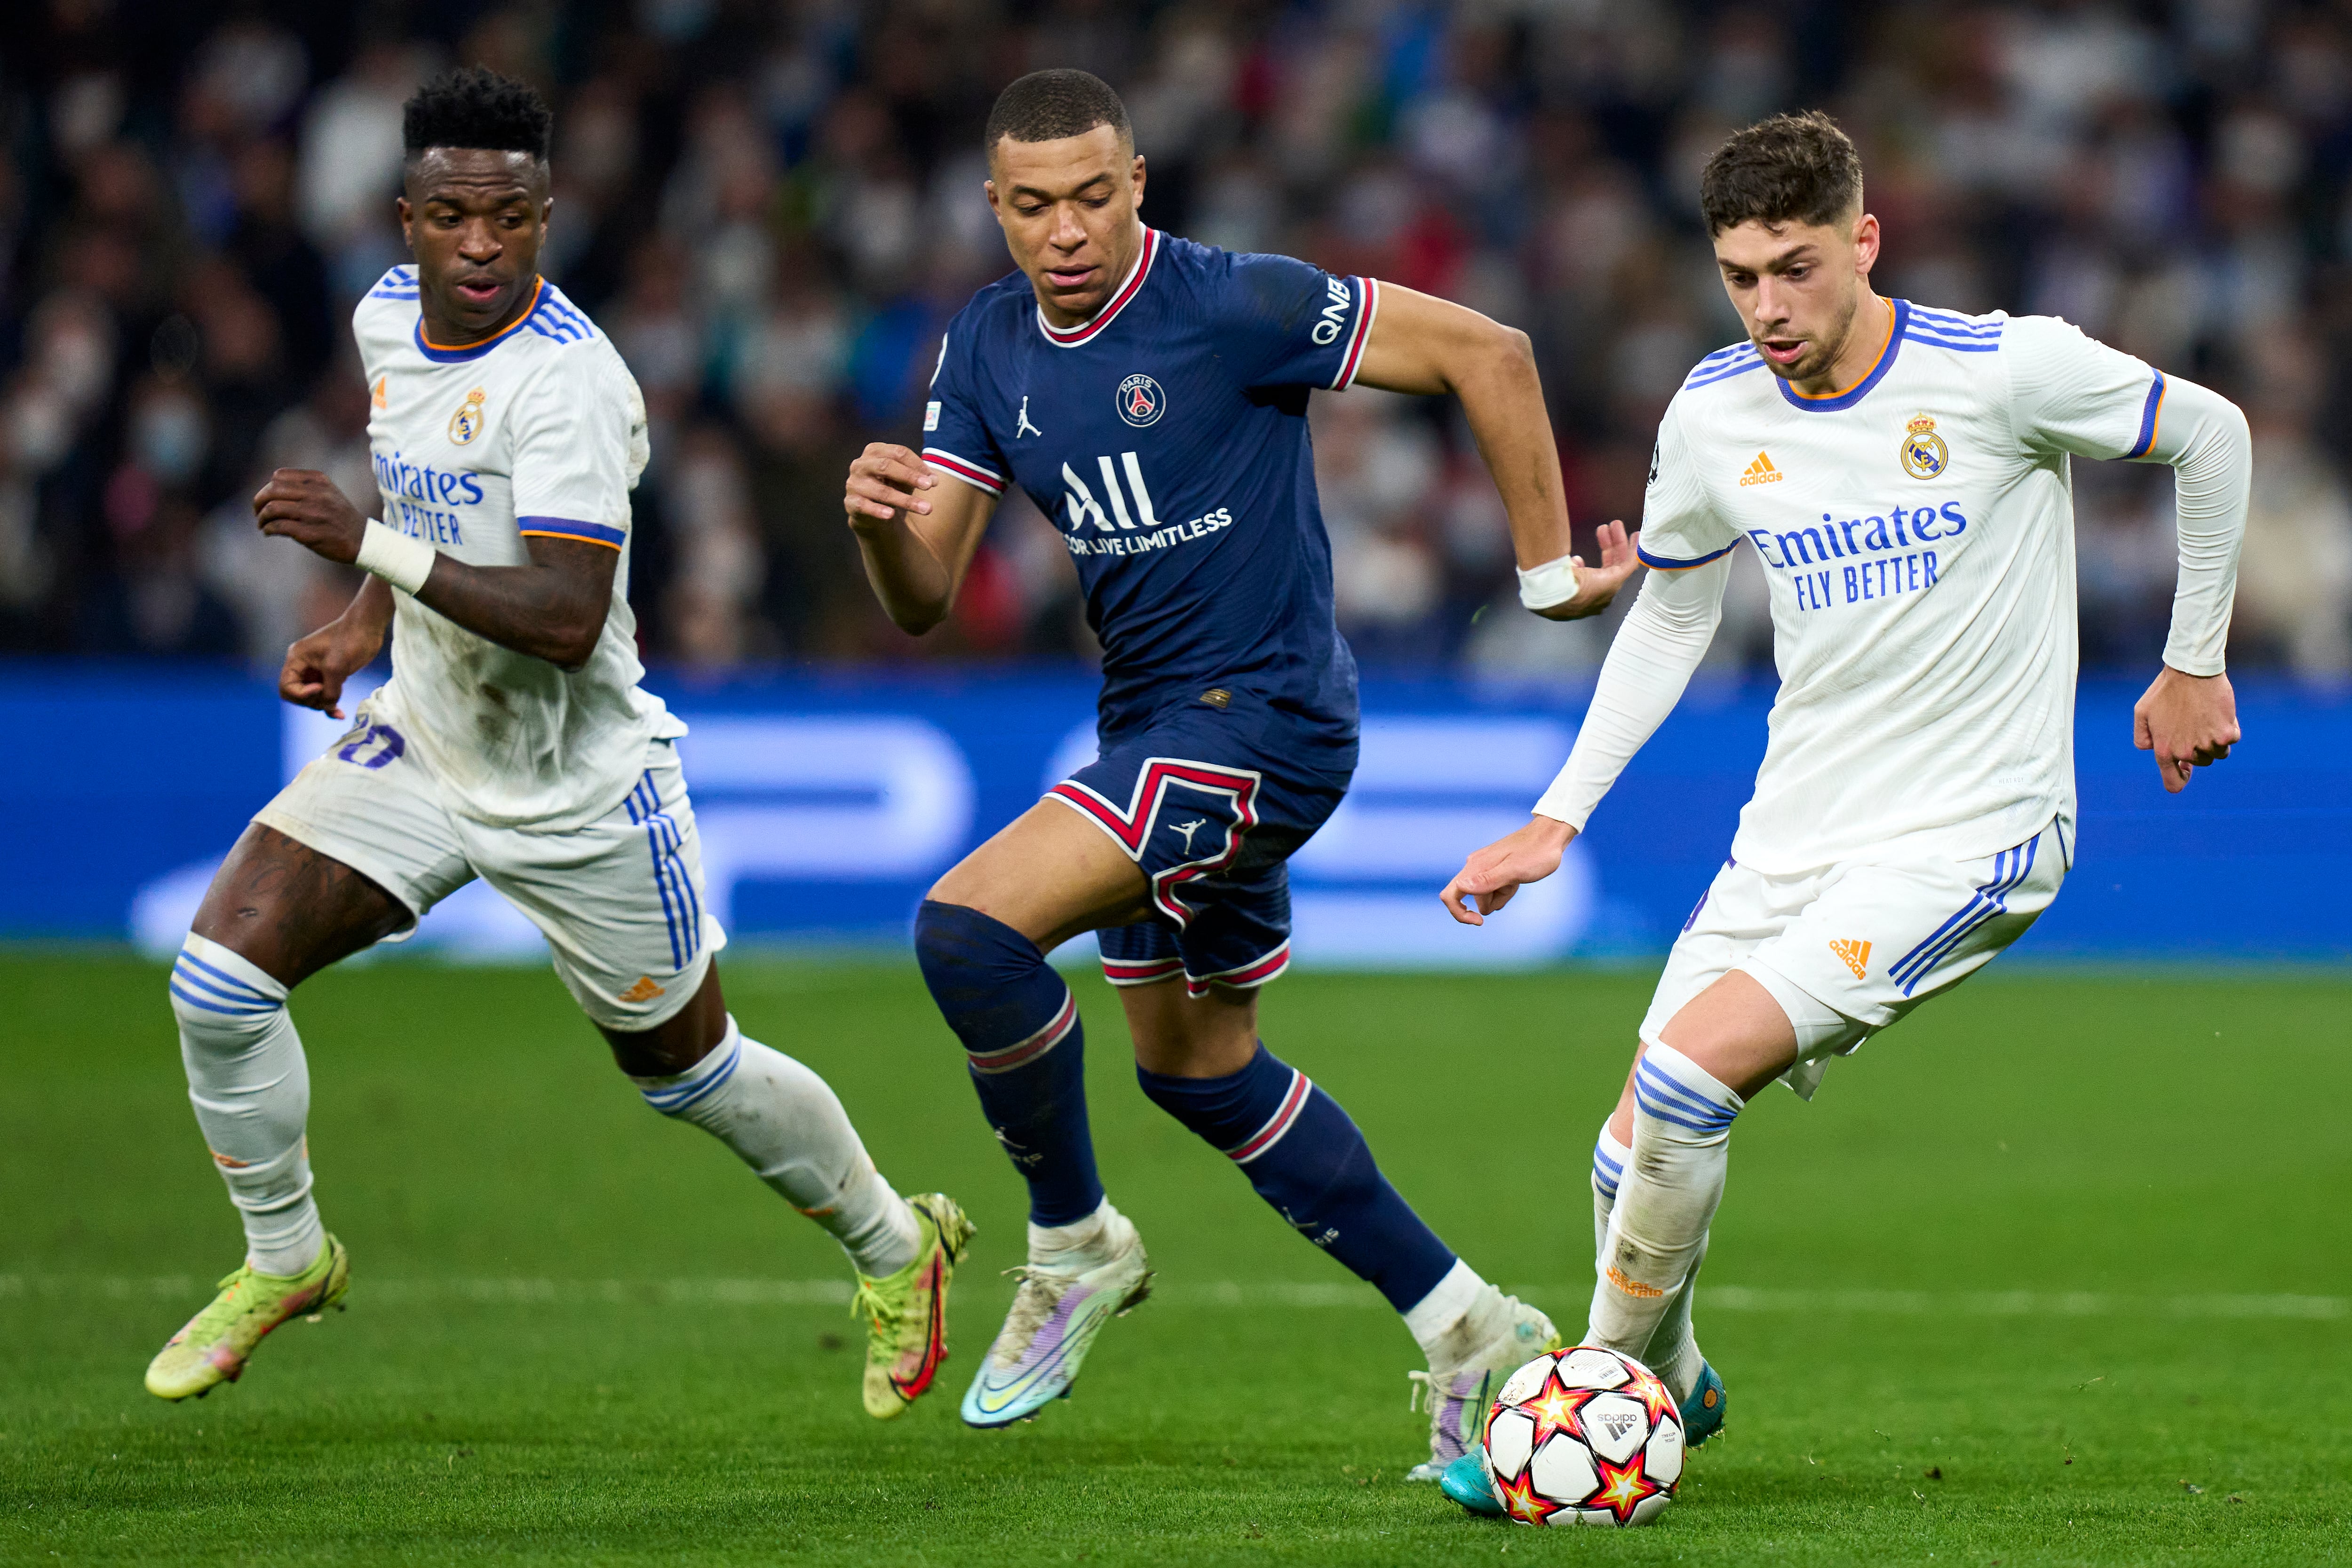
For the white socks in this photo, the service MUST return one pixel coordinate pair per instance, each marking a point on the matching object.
(1673, 1351)
(1081, 1244)
(251, 1089)
(1654, 1237)
(1462, 1315)
(788, 1126)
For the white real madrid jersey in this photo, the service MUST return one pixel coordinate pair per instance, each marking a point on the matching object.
(1918, 531)
(538, 431)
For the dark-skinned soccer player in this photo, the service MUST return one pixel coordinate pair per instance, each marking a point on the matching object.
(512, 743)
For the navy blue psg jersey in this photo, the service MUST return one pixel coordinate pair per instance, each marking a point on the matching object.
(1167, 440)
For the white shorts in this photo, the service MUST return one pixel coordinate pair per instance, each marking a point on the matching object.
(1848, 950)
(620, 900)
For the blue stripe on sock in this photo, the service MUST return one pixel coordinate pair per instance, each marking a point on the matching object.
(1667, 1087)
(225, 977)
(670, 1101)
(1671, 1102)
(194, 1000)
(240, 1000)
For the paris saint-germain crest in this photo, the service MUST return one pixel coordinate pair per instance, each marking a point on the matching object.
(1140, 401)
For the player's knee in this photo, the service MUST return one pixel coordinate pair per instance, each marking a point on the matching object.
(968, 958)
(225, 1005)
(1678, 1102)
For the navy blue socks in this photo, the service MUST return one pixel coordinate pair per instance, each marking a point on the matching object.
(1026, 1049)
(1304, 1156)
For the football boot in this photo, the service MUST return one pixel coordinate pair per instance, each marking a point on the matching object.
(1458, 1394)
(213, 1346)
(906, 1313)
(1061, 1306)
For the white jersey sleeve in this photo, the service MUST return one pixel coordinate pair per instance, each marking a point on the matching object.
(1650, 663)
(580, 443)
(1680, 526)
(2071, 393)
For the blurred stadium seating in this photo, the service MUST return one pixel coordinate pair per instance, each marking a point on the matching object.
(774, 208)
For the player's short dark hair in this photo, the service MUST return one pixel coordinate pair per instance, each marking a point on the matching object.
(1797, 168)
(1047, 106)
(474, 107)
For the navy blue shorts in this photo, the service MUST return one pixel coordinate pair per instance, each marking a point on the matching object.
(1208, 799)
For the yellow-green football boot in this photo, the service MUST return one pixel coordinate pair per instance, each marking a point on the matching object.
(214, 1346)
(907, 1312)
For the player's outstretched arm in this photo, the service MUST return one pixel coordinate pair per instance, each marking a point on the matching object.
(553, 609)
(1663, 640)
(916, 529)
(316, 665)
(1427, 347)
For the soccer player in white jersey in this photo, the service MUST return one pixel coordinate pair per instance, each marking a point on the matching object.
(512, 743)
(1901, 472)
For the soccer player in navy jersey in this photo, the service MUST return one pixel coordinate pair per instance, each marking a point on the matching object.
(1150, 395)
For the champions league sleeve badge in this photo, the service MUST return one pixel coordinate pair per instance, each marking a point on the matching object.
(1924, 452)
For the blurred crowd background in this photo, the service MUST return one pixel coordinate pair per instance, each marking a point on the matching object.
(774, 207)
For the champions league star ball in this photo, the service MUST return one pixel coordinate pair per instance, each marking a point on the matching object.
(1584, 1436)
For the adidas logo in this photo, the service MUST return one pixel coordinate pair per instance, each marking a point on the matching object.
(1761, 470)
(645, 990)
(1856, 955)
(377, 399)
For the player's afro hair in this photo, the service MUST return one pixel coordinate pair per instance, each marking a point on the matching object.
(1791, 168)
(1045, 106)
(473, 106)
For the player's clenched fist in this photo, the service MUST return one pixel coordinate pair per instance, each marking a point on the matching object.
(885, 481)
(317, 666)
(1491, 875)
(303, 505)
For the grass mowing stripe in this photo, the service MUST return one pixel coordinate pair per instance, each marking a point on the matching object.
(525, 1292)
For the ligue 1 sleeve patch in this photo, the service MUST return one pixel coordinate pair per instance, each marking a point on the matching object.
(930, 417)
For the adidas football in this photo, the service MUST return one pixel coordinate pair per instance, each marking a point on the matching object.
(1584, 1436)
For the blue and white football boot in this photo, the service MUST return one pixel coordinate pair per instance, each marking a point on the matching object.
(1063, 1304)
(1467, 1481)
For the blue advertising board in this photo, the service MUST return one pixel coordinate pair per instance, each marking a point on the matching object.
(829, 799)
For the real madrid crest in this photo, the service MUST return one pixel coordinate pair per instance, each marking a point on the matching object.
(466, 423)
(1140, 401)
(1924, 452)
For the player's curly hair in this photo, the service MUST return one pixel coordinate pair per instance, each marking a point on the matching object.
(1045, 106)
(473, 106)
(1791, 168)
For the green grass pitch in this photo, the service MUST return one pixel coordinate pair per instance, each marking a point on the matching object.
(2054, 1273)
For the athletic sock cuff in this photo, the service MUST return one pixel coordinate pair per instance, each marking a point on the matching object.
(1434, 1317)
(1670, 1087)
(994, 986)
(1242, 1114)
(212, 979)
(678, 1094)
(1609, 1157)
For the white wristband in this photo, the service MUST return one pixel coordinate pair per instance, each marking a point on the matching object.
(393, 556)
(1552, 584)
